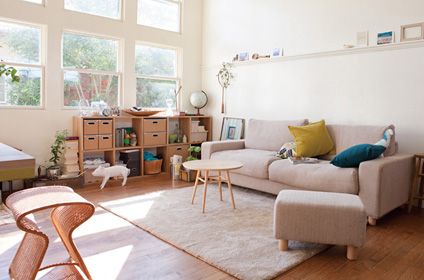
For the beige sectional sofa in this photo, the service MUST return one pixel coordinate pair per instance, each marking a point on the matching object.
(382, 184)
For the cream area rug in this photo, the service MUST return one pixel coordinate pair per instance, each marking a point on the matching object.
(239, 242)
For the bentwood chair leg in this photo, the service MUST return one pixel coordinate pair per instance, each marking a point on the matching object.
(230, 188)
(205, 190)
(195, 186)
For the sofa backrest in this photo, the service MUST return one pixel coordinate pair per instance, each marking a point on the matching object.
(269, 135)
(345, 136)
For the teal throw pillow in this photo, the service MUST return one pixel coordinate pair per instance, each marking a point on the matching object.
(354, 155)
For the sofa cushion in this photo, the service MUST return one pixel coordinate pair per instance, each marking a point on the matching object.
(321, 176)
(353, 156)
(255, 162)
(269, 135)
(345, 136)
(312, 140)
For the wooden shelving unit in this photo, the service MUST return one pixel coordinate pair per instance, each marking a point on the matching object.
(152, 135)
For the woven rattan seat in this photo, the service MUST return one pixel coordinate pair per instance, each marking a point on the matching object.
(68, 211)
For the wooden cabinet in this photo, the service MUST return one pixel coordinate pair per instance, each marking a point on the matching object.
(98, 135)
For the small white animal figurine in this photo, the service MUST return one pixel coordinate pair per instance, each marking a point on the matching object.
(112, 171)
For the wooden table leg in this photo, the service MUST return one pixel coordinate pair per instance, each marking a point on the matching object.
(230, 188)
(220, 184)
(205, 190)
(195, 186)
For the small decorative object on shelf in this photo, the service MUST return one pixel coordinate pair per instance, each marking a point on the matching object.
(133, 136)
(384, 38)
(199, 99)
(277, 52)
(362, 39)
(256, 56)
(244, 56)
(115, 111)
(412, 32)
(224, 78)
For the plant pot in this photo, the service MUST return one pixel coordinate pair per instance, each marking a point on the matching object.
(53, 172)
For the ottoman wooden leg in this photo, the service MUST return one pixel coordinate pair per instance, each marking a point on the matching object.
(352, 253)
(283, 245)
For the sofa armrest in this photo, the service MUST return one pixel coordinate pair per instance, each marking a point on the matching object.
(384, 183)
(208, 148)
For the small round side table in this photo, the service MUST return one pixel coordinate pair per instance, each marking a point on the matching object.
(206, 166)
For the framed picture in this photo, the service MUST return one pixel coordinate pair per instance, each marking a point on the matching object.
(384, 38)
(277, 52)
(232, 129)
(244, 56)
(362, 39)
(412, 32)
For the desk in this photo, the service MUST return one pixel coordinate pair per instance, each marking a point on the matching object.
(15, 165)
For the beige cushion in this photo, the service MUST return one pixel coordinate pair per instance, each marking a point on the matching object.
(345, 136)
(328, 218)
(269, 135)
(321, 176)
(255, 162)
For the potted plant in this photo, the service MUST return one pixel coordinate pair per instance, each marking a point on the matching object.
(193, 154)
(56, 150)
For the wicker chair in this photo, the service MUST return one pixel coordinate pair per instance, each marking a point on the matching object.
(69, 210)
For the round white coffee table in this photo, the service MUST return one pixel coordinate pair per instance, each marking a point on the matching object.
(206, 166)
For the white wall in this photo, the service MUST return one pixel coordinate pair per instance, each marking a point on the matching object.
(363, 88)
(33, 130)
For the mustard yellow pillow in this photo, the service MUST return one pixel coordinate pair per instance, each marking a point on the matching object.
(312, 140)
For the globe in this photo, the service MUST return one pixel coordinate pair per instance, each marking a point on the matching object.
(198, 99)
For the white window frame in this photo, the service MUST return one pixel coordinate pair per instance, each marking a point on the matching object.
(180, 14)
(178, 72)
(43, 2)
(120, 18)
(93, 71)
(41, 66)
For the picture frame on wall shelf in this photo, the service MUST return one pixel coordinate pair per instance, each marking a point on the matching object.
(362, 39)
(384, 38)
(232, 128)
(243, 56)
(277, 52)
(412, 32)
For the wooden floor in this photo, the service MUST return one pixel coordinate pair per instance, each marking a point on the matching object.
(116, 249)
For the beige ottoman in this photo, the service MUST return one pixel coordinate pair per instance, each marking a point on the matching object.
(320, 217)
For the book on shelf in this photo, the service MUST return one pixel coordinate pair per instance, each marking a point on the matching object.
(120, 136)
(300, 160)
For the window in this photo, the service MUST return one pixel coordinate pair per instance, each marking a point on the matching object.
(104, 8)
(157, 76)
(20, 48)
(90, 70)
(163, 14)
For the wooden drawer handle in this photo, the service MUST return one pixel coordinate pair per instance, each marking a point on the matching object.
(106, 137)
(91, 123)
(155, 135)
(105, 122)
(91, 138)
(179, 149)
(155, 122)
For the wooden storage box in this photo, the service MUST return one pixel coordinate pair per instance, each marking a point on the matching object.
(154, 125)
(188, 175)
(153, 167)
(91, 127)
(199, 136)
(105, 127)
(91, 142)
(181, 150)
(105, 141)
(154, 138)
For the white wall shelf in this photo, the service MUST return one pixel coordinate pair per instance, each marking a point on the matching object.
(357, 50)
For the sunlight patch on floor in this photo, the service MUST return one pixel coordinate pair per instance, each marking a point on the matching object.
(108, 265)
(10, 240)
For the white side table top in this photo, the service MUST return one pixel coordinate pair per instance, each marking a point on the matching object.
(212, 165)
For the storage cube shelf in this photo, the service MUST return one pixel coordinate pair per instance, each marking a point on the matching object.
(99, 135)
